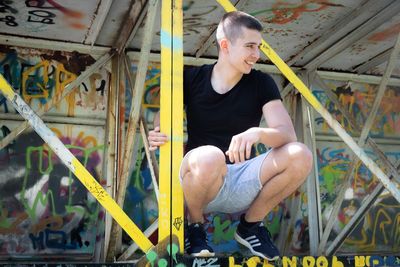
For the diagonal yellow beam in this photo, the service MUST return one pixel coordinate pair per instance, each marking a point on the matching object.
(333, 123)
(75, 166)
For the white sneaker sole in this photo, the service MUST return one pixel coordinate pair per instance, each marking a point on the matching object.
(247, 244)
(203, 253)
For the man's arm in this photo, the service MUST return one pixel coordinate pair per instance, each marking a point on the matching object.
(279, 131)
(156, 138)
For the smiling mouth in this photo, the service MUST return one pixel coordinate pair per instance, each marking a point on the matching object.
(250, 63)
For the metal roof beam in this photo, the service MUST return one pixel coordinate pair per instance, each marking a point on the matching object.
(95, 51)
(386, 14)
(102, 10)
(373, 62)
(350, 22)
(129, 25)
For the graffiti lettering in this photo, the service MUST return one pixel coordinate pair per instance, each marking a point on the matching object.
(5, 6)
(9, 21)
(44, 16)
(199, 262)
(222, 231)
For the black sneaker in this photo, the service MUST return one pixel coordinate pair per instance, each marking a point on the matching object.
(258, 239)
(196, 241)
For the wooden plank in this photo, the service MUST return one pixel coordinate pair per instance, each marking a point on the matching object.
(136, 102)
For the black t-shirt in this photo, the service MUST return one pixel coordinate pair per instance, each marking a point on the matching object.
(213, 118)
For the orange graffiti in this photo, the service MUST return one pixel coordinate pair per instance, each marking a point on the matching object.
(13, 227)
(53, 222)
(287, 12)
(385, 34)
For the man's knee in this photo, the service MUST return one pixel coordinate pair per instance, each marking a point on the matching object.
(301, 158)
(206, 162)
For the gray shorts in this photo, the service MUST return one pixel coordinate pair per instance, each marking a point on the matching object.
(241, 186)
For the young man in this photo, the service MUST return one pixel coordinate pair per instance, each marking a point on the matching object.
(224, 104)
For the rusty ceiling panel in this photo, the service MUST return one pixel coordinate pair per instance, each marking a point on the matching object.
(299, 30)
(67, 20)
(378, 41)
(116, 17)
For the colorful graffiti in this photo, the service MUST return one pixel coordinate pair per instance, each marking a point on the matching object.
(40, 14)
(172, 258)
(41, 80)
(358, 99)
(284, 12)
(151, 96)
(44, 209)
(380, 229)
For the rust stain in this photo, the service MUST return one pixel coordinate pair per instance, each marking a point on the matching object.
(74, 62)
(385, 34)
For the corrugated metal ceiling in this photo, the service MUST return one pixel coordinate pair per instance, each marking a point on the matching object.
(340, 35)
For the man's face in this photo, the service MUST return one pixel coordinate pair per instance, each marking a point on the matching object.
(245, 50)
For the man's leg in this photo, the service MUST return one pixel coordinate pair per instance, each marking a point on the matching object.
(202, 174)
(282, 172)
(202, 177)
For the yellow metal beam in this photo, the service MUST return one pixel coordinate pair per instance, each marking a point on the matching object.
(177, 122)
(171, 121)
(164, 202)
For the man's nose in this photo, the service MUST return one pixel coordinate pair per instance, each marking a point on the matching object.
(256, 53)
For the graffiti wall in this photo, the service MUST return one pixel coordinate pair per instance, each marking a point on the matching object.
(45, 212)
(379, 230)
(40, 77)
(358, 98)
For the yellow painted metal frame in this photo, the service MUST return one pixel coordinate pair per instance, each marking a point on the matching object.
(171, 121)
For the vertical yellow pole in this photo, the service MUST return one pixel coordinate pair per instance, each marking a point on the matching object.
(164, 202)
(177, 122)
(171, 121)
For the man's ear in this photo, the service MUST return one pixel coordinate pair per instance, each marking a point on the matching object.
(223, 44)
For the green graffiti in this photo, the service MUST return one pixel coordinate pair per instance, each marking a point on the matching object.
(275, 225)
(48, 198)
(151, 257)
(222, 232)
(172, 251)
(163, 263)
